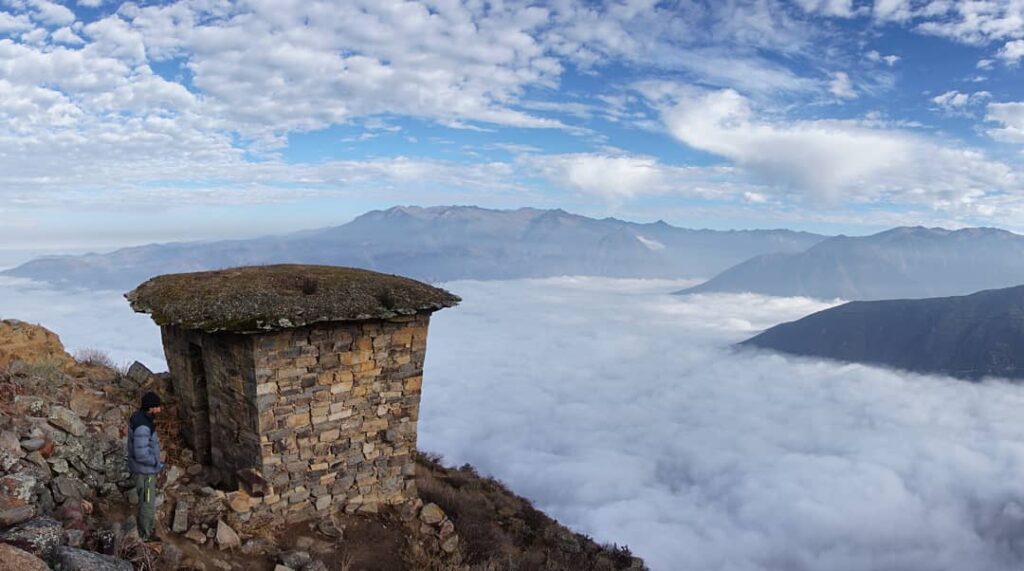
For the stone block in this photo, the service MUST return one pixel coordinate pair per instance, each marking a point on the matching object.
(14, 559)
(66, 420)
(298, 419)
(39, 536)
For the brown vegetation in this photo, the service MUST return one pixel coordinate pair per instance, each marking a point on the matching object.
(259, 298)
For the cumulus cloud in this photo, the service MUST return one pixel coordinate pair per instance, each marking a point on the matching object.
(876, 56)
(832, 159)
(51, 13)
(622, 411)
(67, 36)
(841, 86)
(841, 8)
(14, 23)
(968, 22)
(273, 67)
(620, 177)
(1012, 52)
(156, 99)
(958, 103)
(892, 10)
(1010, 117)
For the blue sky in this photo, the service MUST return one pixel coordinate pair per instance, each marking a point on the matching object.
(124, 123)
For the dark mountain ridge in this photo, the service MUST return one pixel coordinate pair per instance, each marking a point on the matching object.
(902, 262)
(970, 336)
(442, 243)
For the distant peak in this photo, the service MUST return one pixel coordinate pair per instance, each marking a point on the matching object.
(939, 232)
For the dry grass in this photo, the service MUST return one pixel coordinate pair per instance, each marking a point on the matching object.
(95, 358)
(47, 369)
(501, 531)
(132, 549)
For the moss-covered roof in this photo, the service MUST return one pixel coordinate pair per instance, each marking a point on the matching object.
(262, 298)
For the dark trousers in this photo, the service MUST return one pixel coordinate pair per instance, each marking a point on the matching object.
(145, 487)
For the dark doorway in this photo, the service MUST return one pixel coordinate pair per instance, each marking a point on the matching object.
(201, 406)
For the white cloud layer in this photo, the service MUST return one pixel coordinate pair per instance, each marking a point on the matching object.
(621, 411)
(835, 160)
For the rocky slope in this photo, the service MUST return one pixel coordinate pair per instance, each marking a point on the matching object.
(66, 501)
(899, 263)
(971, 336)
(443, 243)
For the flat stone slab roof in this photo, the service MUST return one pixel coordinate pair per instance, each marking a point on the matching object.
(262, 298)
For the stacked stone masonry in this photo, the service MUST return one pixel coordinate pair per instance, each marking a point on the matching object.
(326, 413)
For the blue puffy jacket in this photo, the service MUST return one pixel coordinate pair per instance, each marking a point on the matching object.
(143, 447)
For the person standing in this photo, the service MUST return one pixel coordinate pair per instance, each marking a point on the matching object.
(143, 449)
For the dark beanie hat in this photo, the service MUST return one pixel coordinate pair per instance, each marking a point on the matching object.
(150, 400)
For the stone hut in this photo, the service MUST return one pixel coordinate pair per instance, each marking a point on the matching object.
(299, 383)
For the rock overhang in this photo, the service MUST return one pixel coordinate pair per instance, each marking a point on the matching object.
(254, 299)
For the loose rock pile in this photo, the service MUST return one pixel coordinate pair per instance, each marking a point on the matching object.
(61, 451)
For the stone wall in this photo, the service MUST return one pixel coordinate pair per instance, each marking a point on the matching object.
(220, 425)
(338, 405)
(326, 413)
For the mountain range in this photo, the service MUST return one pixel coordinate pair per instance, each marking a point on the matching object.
(443, 243)
(970, 336)
(902, 262)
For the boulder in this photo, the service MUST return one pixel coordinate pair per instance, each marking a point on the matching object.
(170, 556)
(240, 502)
(327, 527)
(71, 514)
(40, 536)
(66, 420)
(75, 537)
(32, 444)
(295, 559)
(253, 482)
(432, 514)
(74, 559)
(69, 488)
(15, 499)
(173, 474)
(138, 373)
(195, 534)
(180, 522)
(30, 344)
(227, 538)
(9, 443)
(10, 450)
(14, 559)
(16, 490)
(451, 544)
(14, 516)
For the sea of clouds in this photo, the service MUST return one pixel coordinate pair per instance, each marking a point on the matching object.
(623, 411)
